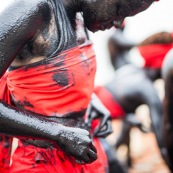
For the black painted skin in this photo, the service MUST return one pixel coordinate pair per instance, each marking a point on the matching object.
(131, 88)
(119, 47)
(31, 31)
(167, 74)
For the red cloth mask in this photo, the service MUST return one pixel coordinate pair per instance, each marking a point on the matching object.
(154, 54)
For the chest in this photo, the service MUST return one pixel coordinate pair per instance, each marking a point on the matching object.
(41, 46)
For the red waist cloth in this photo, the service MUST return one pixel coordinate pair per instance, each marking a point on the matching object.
(154, 54)
(111, 104)
(5, 142)
(61, 85)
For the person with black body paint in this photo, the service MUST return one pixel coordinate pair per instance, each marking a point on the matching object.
(153, 50)
(118, 47)
(37, 45)
(122, 96)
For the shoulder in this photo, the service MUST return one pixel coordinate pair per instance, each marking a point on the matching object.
(36, 6)
(29, 12)
(24, 6)
(22, 3)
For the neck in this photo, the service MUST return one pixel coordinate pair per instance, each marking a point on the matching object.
(67, 37)
(72, 7)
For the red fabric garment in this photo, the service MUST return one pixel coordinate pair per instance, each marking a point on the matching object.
(30, 159)
(109, 102)
(55, 87)
(154, 54)
(65, 82)
(5, 141)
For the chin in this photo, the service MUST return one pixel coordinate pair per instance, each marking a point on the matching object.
(94, 29)
(91, 27)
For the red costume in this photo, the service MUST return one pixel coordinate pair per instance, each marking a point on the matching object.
(54, 87)
(154, 54)
(109, 102)
(6, 142)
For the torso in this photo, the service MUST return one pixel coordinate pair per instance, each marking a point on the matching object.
(127, 89)
(42, 46)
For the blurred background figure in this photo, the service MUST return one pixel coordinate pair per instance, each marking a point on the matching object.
(153, 51)
(128, 89)
(132, 86)
(118, 47)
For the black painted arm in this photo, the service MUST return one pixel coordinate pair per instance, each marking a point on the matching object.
(19, 22)
(25, 124)
(132, 88)
(96, 110)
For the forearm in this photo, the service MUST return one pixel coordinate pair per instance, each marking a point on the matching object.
(24, 124)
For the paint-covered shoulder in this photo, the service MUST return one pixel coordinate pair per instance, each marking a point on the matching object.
(24, 7)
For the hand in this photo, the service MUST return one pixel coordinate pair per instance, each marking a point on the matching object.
(133, 121)
(77, 143)
(97, 110)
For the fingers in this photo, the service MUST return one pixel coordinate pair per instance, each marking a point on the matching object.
(105, 132)
(92, 156)
(80, 162)
(104, 120)
(93, 148)
(91, 153)
(88, 157)
(92, 115)
(103, 123)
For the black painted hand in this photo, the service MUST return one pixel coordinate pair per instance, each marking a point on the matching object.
(135, 122)
(77, 143)
(97, 110)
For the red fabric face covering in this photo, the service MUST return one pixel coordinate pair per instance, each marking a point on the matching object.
(154, 54)
(111, 104)
(55, 87)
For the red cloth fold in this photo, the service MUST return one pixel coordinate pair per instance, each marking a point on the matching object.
(154, 54)
(65, 82)
(5, 142)
(109, 102)
(55, 87)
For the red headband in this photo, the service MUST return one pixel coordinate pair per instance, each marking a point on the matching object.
(154, 54)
